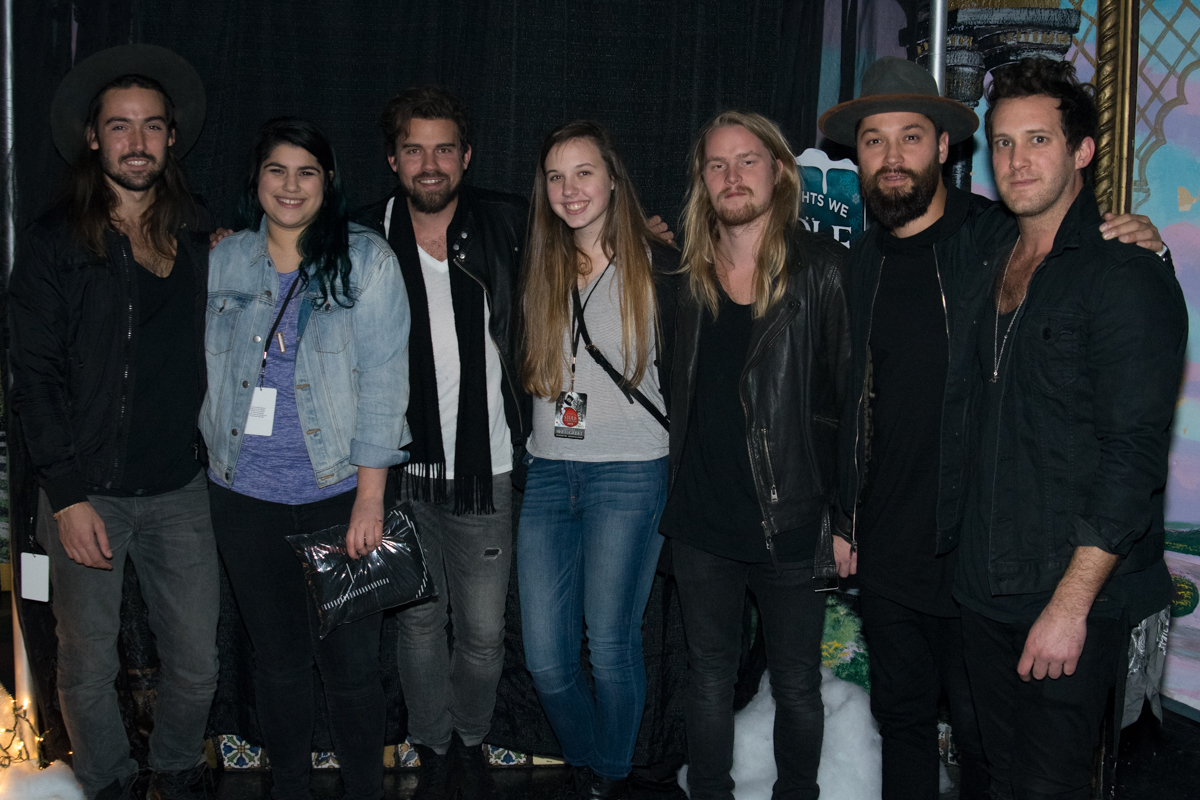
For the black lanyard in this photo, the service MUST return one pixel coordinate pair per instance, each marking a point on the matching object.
(578, 328)
(278, 318)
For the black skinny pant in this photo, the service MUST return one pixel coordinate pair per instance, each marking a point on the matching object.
(913, 656)
(1039, 736)
(269, 586)
(712, 593)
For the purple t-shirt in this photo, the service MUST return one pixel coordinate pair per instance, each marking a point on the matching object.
(277, 468)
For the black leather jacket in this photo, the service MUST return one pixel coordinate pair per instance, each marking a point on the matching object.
(486, 239)
(72, 320)
(977, 230)
(1090, 389)
(791, 389)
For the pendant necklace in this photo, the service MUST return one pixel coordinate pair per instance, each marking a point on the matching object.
(997, 343)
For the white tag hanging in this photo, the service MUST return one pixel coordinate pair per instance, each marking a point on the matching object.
(261, 420)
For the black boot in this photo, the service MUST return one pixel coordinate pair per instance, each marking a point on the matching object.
(436, 781)
(197, 783)
(576, 784)
(606, 789)
(473, 772)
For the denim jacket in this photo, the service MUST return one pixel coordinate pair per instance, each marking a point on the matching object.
(351, 363)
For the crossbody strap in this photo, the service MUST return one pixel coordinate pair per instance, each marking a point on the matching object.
(630, 392)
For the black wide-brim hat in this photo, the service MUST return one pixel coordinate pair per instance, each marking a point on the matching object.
(68, 111)
(893, 84)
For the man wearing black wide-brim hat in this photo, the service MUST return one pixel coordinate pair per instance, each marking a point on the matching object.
(932, 249)
(106, 309)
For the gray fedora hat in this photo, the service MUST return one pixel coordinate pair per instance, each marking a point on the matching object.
(893, 84)
(68, 111)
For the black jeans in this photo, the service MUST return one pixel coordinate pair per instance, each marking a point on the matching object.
(712, 593)
(913, 656)
(1039, 736)
(269, 586)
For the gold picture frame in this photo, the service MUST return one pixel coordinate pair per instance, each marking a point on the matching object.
(1116, 99)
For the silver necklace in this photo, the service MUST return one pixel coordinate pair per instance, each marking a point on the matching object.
(997, 343)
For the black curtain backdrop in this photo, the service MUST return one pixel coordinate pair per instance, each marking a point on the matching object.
(653, 72)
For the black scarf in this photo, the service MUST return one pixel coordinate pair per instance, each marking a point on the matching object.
(473, 443)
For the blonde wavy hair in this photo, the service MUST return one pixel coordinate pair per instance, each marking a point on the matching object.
(552, 267)
(699, 225)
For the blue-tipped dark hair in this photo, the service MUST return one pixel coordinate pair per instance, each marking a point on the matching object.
(325, 243)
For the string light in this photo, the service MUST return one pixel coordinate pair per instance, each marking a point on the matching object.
(12, 747)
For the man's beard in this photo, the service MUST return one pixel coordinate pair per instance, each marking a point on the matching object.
(431, 201)
(139, 182)
(742, 215)
(895, 209)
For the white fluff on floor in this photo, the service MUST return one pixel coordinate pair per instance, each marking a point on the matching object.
(851, 759)
(24, 781)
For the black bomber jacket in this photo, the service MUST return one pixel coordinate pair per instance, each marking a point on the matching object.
(791, 388)
(73, 331)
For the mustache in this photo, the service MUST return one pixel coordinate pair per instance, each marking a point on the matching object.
(746, 189)
(141, 155)
(427, 175)
(883, 172)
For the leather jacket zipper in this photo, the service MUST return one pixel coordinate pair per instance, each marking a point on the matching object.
(942, 290)
(767, 533)
(125, 378)
(503, 366)
(770, 469)
(862, 398)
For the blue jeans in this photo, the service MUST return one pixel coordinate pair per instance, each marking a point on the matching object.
(588, 546)
(169, 538)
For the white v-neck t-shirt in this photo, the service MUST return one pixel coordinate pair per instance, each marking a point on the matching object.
(449, 370)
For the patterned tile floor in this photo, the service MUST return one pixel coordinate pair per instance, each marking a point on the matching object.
(1156, 762)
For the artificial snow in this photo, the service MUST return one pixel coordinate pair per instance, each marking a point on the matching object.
(851, 758)
(24, 781)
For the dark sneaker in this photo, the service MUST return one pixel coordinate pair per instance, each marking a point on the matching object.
(197, 783)
(117, 790)
(606, 789)
(436, 781)
(576, 784)
(473, 772)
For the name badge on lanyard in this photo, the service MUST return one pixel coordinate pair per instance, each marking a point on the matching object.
(261, 420)
(570, 411)
(570, 415)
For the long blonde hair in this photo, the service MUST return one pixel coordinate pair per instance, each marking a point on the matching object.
(552, 261)
(699, 226)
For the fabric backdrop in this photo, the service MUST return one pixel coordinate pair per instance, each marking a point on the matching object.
(652, 72)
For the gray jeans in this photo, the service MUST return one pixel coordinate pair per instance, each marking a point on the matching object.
(169, 537)
(470, 558)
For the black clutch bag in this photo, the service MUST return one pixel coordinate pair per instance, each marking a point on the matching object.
(344, 589)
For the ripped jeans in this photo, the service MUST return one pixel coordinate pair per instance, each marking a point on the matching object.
(470, 557)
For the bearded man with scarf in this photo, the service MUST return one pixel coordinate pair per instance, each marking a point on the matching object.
(459, 249)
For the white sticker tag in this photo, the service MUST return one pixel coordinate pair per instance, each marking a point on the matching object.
(35, 577)
(261, 420)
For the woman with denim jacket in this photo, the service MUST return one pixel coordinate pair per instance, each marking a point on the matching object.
(588, 536)
(307, 352)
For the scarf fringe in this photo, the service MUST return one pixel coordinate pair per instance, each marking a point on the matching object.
(427, 482)
(473, 495)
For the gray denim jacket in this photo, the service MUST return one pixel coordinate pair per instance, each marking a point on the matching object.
(351, 363)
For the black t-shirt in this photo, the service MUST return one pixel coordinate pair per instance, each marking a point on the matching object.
(909, 357)
(714, 505)
(165, 405)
